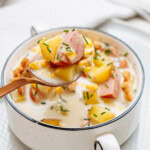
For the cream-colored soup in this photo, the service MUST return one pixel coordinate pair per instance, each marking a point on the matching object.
(62, 106)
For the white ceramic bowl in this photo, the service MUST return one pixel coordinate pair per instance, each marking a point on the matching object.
(105, 136)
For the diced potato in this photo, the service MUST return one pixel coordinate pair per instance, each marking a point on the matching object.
(44, 64)
(101, 74)
(93, 87)
(98, 62)
(66, 73)
(85, 63)
(44, 89)
(87, 69)
(17, 97)
(89, 51)
(97, 45)
(90, 43)
(99, 115)
(71, 55)
(59, 90)
(50, 48)
(34, 66)
(90, 97)
(54, 122)
(52, 75)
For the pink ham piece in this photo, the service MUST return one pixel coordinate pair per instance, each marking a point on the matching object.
(110, 89)
(111, 51)
(74, 40)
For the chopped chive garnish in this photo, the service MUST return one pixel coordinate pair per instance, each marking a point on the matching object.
(64, 110)
(50, 61)
(52, 107)
(89, 76)
(73, 91)
(86, 119)
(106, 85)
(49, 49)
(66, 30)
(88, 109)
(95, 115)
(95, 58)
(106, 44)
(113, 75)
(103, 59)
(125, 54)
(103, 113)
(35, 93)
(135, 90)
(91, 95)
(108, 51)
(39, 41)
(109, 64)
(73, 29)
(87, 95)
(57, 56)
(68, 49)
(88, 124)
(62, 99)
(97, 53)
(65, 44)
(45, 44)
(43, 103)
(107, 108)
(85, 39)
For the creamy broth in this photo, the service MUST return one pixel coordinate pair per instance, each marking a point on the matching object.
(70, 107)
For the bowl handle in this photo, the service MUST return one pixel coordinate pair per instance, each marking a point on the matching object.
(106, 142)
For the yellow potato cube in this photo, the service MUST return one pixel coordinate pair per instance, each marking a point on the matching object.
(98, 62)
(49, 47)
(101, 74)
(84, 62)
(93, 87)
(44, 64)
(18, 98)
(43, 89)
(99, 115)
(66, 73)
(34, 66)
(59, 90)
(90, 97)
(54, 122)
(52, 75)
(90, 43)
(87, 69)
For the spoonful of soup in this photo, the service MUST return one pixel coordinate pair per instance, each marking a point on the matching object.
(54, 65)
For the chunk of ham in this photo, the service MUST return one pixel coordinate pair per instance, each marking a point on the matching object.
(74, 40)
(111, 51)
(123, 63)
(35, 95)
(111, 88)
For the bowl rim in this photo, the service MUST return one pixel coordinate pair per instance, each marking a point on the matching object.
(75, 129)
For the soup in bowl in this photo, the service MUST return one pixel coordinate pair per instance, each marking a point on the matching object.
(109, 89)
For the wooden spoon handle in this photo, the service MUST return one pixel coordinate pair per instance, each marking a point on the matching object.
(13, 86)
